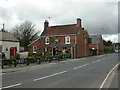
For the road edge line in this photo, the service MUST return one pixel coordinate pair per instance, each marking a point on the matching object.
(103, 83)
(11, 86)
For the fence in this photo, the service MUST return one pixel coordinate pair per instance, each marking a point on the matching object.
(28, 61)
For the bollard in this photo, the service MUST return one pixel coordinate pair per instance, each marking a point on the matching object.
(27, 61)
(15, 63)
(2, 66)
(50, 59)
(39, 60)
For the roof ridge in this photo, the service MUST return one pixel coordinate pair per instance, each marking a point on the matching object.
(63, 25)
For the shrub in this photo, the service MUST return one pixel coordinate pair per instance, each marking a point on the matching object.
(38, 54)
(13, 57)
(60, 53)
(17, 56)
(30, 53)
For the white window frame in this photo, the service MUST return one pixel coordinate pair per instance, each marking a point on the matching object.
(47, 40)
(67, 40)
(46, 49)
(34, 49)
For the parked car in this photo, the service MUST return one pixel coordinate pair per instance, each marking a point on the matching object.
(117, 51)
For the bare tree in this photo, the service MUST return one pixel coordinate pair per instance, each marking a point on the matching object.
(25, 33)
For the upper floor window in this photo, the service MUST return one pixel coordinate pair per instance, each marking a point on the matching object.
(90, 40)
(47, 40)
(34, 49)
(67, 40)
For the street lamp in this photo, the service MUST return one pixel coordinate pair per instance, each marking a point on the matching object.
(85, 43)
(97, 44)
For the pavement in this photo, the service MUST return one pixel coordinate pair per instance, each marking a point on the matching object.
(88, 72)
(114, 83)
(34, 66)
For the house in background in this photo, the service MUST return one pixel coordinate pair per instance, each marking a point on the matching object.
(95, 45)
(9, 45)
(72, 39)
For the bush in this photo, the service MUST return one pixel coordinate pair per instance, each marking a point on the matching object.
(30, 53)
(60, 53)
(13, 57)
(17, 56)
(38, 54)
(68, 55)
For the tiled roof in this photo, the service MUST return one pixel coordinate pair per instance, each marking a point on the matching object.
(4, 36)
(96, 39)
(61, 30)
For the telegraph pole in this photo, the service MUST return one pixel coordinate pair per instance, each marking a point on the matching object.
(85, 44)
(3, 28)
(97, 44)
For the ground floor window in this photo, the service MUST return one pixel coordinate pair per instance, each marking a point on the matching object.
(34, 49)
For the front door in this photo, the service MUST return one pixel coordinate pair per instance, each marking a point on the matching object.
(13, 51)
(54, 51)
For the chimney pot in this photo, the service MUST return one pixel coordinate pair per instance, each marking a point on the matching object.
(79, 22)
(46, 24)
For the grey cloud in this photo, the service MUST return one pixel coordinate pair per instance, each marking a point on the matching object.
(97, 17)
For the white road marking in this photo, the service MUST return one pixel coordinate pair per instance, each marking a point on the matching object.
(107, 58)
(64, 61)
(50, 76)
(52, 63)
(81, 66)
(103, 83)
(104, 58)
(77, 59)
(1, 73)
(96, 61)
(12, 85)
(100, 56)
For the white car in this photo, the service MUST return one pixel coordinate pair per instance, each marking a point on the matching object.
(117, 51)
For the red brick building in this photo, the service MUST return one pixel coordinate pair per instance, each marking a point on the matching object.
(72, 39)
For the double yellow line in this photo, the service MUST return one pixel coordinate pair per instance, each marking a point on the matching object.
(103, 83)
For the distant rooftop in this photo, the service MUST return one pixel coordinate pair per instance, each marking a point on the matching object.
(5, 36)
(96, 39)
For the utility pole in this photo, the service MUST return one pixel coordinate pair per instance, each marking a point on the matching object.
(3, 26)
(97, 44)
(85, 44)
(114, 45)
(3, 29)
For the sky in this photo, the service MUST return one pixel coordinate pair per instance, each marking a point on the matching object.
(98, 16)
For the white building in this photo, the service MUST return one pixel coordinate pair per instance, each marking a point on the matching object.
(7, 44)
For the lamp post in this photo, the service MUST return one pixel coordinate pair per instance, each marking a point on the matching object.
(85, 43)
(98, 42)
(97, 45)
(74, 52)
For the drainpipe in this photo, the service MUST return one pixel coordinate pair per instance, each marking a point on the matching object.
(74, 51)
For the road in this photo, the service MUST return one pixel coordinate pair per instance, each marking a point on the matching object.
(87, 72)
(115, 79)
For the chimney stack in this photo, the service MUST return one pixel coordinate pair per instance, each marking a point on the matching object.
(79, 22)
(46, 24)
(3, 26)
